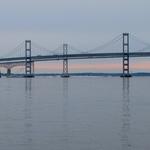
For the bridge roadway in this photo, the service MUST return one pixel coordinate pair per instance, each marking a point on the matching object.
(72, 56)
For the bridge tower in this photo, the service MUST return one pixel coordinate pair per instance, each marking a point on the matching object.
(65, 61)
(28, 62)
(8, 72)
(126, 68)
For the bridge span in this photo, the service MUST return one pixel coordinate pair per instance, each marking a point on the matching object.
(9, 63)
(28, 60)
(18, 60)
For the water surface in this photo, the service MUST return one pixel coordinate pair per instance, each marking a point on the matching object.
(79, 113)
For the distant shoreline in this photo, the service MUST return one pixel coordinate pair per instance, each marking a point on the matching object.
(138, 74)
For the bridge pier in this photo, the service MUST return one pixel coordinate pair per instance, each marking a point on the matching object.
(65, 61)
(8, 72)
(126, 68)
(28, 62)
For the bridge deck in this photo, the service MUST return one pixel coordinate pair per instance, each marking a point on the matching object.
(73, 56)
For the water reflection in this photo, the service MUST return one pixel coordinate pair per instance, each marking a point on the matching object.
(65, 114)
(65, 88)
(28, 87)
(28, 114)
(125, 139)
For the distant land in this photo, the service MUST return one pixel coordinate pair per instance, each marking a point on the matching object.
(137, 74)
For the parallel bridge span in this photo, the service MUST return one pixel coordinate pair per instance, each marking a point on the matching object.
(73, 56)
(9, 63)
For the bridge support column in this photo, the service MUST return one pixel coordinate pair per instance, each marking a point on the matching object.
(28, 64)
(65, 61)
(8, 72)
(33, 67)
(126, 72)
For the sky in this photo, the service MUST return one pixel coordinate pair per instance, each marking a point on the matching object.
(83, 23)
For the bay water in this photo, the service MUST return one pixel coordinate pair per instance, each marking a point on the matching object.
(78, 113)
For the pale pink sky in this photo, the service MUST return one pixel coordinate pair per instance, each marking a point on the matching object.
(54, 67)
(97, 67)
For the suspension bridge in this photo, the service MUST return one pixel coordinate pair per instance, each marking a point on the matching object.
(123, 46)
